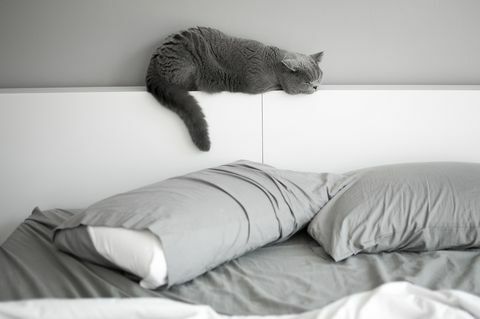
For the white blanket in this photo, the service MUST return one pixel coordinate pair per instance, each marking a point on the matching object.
(392, 300)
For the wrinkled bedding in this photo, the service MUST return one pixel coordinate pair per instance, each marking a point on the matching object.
(392, 300)
(291, 277)
(206, 218)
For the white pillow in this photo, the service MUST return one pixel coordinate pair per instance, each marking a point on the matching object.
(136, 251)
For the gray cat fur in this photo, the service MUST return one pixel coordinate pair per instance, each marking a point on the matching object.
(208, 60)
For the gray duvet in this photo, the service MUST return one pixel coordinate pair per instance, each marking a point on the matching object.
(292, 276)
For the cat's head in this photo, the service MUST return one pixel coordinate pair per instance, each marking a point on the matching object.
(300, 73)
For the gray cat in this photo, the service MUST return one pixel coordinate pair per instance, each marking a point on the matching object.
(208, 60)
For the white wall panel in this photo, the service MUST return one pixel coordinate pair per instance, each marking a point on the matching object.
(68, 149)
(345, 129)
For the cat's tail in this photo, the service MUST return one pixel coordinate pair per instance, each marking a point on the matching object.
(181, 102)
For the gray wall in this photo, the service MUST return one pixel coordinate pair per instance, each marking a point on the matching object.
(53, 43)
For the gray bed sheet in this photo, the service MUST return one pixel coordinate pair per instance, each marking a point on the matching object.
(290, 277)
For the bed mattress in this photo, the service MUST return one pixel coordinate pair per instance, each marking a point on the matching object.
(291, 277)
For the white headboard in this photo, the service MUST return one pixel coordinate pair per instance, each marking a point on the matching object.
(337, 130)
(68, 148)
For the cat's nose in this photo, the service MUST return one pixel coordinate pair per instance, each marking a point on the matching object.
(315, 87)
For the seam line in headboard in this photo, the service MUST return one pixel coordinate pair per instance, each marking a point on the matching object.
(261, 110)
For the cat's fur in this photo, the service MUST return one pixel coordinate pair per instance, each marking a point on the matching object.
(208, 60)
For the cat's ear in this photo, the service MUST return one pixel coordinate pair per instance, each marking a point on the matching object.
(292, 64)
(317, 56)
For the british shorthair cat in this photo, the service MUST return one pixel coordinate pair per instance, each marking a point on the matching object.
(206, 59)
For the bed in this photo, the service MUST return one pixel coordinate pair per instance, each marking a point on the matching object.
(84, 145)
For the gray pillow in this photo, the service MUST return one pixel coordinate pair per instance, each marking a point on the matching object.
(211, 216)
(414, 207)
